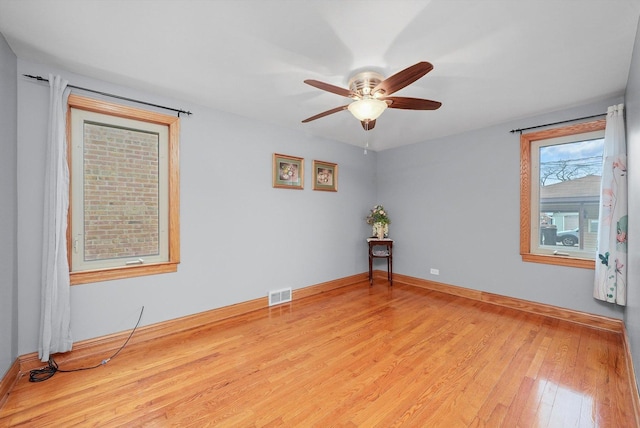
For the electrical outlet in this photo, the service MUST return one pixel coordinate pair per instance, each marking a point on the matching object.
(435, 271)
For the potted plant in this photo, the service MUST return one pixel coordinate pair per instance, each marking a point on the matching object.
(379, 220)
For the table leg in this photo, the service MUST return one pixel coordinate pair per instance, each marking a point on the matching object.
(370, 269)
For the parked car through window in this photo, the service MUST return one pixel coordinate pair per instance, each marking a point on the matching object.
(568, 237)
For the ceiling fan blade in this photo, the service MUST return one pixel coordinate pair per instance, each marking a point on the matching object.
(411, 103)
(329, 88)
(368, 125)
(403, 78)
(325, 113)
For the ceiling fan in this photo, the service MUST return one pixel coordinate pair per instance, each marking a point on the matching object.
(371, 94)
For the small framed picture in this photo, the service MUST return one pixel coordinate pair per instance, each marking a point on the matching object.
(325, 176)
(288, 171)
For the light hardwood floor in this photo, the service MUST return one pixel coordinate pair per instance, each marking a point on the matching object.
(351, 357)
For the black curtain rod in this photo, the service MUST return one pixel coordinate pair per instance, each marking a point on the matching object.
(557, 123)
(114, 96)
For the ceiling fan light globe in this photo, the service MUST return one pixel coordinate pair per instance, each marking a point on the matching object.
(367, 109)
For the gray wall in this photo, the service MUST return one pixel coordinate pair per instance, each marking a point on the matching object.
(632, 315)
(240, 237)
(455, 206)
(8, 279)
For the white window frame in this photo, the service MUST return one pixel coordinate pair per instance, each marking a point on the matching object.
(530, 249)
(82, 110)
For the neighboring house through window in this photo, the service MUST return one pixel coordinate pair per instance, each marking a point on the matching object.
(560, 180)
(123, 218)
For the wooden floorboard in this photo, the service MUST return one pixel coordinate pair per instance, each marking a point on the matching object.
(356, 356)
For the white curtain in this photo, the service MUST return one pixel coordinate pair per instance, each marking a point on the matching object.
(611, 262)
(55, 313)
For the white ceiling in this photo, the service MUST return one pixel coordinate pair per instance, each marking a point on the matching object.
(494, 60)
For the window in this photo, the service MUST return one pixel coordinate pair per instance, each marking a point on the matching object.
(124, 209)
(560, 194)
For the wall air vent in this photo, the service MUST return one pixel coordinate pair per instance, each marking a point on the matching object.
(279, 296)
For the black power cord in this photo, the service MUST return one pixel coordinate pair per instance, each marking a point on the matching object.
(39, 375)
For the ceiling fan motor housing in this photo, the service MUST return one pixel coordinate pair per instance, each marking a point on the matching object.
(363, 83)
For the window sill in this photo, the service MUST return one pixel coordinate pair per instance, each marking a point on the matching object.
(559, 261)
(86, 277)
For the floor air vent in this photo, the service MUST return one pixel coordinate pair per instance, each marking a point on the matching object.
(279, 296)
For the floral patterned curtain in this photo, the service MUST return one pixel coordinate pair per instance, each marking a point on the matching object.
(611, 264)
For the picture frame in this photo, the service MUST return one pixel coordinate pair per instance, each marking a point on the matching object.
(288, 172)
(325, 176)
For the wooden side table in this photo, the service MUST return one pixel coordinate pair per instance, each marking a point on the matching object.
(381, 249)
